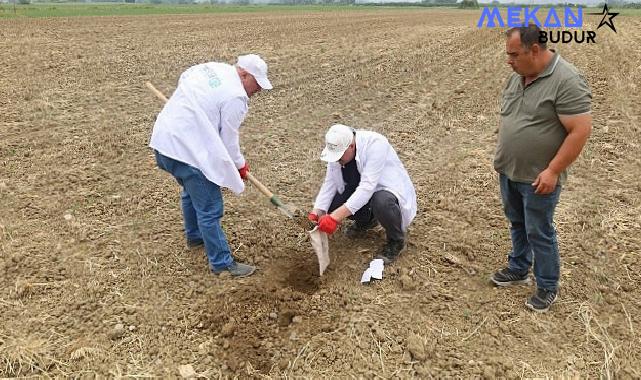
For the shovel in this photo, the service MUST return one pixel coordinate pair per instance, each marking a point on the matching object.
(290, 211)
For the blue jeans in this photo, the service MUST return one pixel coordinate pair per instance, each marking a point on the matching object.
(532, 231)
(202, 206)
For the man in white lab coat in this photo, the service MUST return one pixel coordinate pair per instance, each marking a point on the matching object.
(366, 182)
(196, 139)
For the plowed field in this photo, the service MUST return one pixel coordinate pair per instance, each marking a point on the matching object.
(96, 278)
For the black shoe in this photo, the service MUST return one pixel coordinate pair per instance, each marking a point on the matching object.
(358, 230)
(541, 300)
(237, 270)
(391, 251)
(195, 243)
(507, 277)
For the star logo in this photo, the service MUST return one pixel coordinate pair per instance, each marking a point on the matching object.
(607, 18)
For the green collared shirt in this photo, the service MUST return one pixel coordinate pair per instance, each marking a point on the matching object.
(531, 133)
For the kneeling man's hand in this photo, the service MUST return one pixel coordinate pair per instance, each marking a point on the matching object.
(314, 215)
(328, 224)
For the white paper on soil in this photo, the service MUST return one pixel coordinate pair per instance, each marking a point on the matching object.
(374, 271)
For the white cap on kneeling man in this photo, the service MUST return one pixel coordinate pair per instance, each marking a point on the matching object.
(337, 140)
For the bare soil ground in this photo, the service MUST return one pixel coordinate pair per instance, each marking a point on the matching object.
(96, 279)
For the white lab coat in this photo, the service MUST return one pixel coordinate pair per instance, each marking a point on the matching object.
(200, 123)
(380, 169)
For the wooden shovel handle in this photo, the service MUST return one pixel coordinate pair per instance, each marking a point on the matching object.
(158, 94)
(259, 185)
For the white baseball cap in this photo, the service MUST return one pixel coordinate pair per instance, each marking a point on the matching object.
(337, 140)
(255, 65)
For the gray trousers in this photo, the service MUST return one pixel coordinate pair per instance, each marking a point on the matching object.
(382, 207)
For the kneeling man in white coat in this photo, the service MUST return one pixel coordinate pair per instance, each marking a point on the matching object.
(365, 182)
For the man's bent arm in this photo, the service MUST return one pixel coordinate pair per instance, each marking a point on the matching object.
(579, 128)
(232, 115)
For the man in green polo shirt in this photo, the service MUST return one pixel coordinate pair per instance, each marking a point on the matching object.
(545, 122)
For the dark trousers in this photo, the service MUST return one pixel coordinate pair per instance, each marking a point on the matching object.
(382, 207)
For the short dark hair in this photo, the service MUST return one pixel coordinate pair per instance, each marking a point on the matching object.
(530, 35)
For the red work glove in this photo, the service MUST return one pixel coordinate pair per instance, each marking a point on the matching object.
(243, 171)
(327, 224)
(313, 217)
